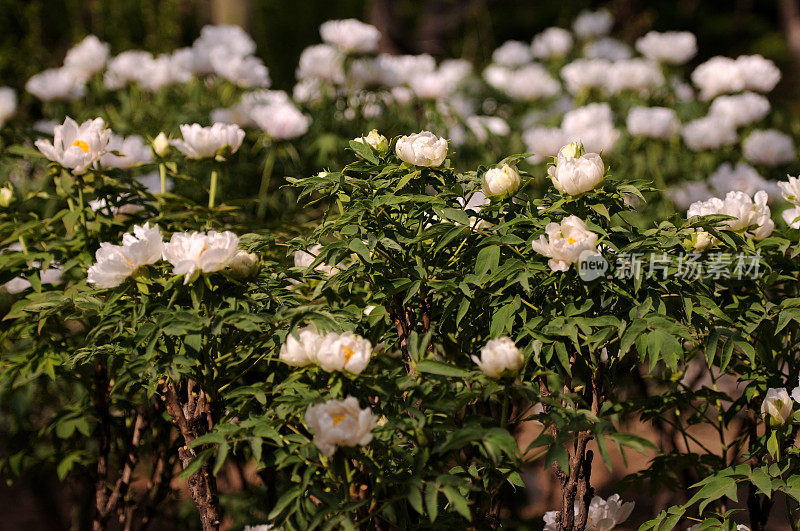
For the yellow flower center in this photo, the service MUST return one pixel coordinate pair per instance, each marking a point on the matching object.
(571, 240)
(338, 418)
(348, 353)
(81, 144)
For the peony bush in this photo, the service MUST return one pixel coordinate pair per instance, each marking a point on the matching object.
(383, 300)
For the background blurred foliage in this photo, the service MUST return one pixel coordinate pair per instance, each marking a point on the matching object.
(35, 34)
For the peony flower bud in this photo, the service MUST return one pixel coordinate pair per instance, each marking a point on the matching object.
(161, 145)
(777, 406)
(244, 264)
(6, 196)
(576, 175)
(500, 357)
(422, 149)
(501, 182)
(375, 140)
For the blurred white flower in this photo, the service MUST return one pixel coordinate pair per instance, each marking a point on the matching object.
(6, 195)
(205, 142)
(281, 121)
(133, 151)
(777, 406)
(340, 423)
(751, 214)
(76, 146)
(637, 75)
(718, 75)
(244, 71)
(56, 84)
(711, 132)
(792, 218)
(499, 357)
(552, 43)
(191, 253)
(483, 126)
(653, 122)
(350, 35)
(759, 74)
(791, 190)
(565, 242)
(229, 38)
(126, 68)
(670, 47)
(769, 147)
(592, 125)
(345, 352)
(585, 74)
(742, 109)
(51, 275)
(301, 350)
(160, 72)
(603, 515)
(395, 70)
(590, 24)
(544, 142)
(741, 178)
(87, 58)
(422, 149)
(501, 182)
(530, 83)
(115, 263)
(512, 53)
(321, 62)
(8, 104)
(607, 48)
(689, 192)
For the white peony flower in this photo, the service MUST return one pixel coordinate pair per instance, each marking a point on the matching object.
(56, 84)
(791, 190)
(590, 24)
(751, 214)
(740, 178)
(76, 146)
(126, 68)
(232, 39)
(653, 122)
(742, 109)
(792, 218)
(711, 132)
(422, 149)
(603, 515)
(345, 352)
(592, 125)
(321, 62)
(375, 140)
(576, 175)
(501, 182)
(191, 253)
(301, 350)
(512, 53)
(244, 264)
(281, 121)
(530, 83)
(350, 35)
(205, 142)
(759, 74)
(671, 47)
(340, 423)
(718, 75)
(552, 43)
(544, 142)
(769, 147)
(585, 74)
(115, 263)
(636, 75)
(161, 72)
(8, 104)
(243, 71)
(607, 48)
(87, 58)
(565, 242)
(500, 357)
(133, 151)
(777, 406)
(396, 70)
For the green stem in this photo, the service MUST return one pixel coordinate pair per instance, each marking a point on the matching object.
(162, 172)
(212, 191)
(266, 177)
(504, 413)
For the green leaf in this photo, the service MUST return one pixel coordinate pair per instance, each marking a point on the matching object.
(283, 502)
(432, 500)
(459, 502)
(442, 369)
